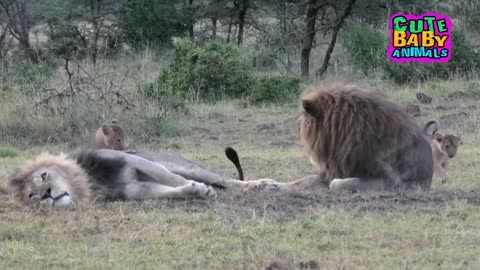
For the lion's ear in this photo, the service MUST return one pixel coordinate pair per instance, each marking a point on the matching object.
(311, 108)
(107, 130)
(430, 128)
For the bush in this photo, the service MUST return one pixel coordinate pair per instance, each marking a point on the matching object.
(155, 22)
(367, 49)
(276, 89)
(366, 46)
(8, 152)
(206, 73)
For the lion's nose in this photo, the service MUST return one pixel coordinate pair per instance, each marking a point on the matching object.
(47, 194)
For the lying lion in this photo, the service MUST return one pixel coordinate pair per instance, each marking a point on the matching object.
(106, 174)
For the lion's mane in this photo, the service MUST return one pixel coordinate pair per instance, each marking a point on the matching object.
(350, 131)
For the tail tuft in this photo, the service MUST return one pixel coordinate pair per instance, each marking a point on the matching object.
(233, 157)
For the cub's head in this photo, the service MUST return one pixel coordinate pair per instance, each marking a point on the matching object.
(52, 179)
(449, 143)
(113, 136)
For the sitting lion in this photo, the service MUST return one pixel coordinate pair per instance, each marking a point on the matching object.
(360, 140)
(106, 174)
(109, 136)
(444, 148)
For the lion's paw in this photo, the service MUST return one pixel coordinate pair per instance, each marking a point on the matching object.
(263, 184)
(200, 190)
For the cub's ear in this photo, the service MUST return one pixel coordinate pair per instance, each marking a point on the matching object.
(107, 130)
(430, 128)
(114, 121)
(311, 108)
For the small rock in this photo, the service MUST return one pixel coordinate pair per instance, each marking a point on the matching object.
(311, 264)
(424, 98)
(266, 126)
(273, 266)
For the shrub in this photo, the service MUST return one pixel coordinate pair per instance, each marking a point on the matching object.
(366, 46)
(276, 89)
(367, 49)
(8, 152)
(206, 73)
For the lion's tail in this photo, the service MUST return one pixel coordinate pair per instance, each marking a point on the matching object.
(233, 157)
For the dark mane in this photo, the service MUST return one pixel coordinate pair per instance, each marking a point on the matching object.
(103, 173)
(354, 132)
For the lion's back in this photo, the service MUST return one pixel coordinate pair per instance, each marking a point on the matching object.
(366, 135)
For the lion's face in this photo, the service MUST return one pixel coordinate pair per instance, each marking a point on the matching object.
(56, 180)
(47, 184)
(449, 143)
(310, 137)
(114, 137)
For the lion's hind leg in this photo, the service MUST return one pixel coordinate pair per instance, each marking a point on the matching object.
(151, 190)
(155, 171)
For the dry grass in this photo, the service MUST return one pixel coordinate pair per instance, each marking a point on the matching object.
(436, 230)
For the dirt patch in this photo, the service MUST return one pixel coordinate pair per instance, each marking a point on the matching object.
(448, 120)
(282, 144)
(216, 116)
(284, 264)
(286, 206)
(201, 131)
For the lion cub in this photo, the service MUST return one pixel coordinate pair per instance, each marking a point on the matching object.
(109, 136)
(444, 148)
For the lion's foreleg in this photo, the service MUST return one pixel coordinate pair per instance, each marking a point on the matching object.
(356, 184)
(305, 183)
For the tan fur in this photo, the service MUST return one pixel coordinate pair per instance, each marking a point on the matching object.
(27, 182)
(360, 140)
(109, 136)
(105, 174)
(444, 148)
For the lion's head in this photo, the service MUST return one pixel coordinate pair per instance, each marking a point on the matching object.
(448, 143)
(353, 132)
(110, 136)
(55, 179)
